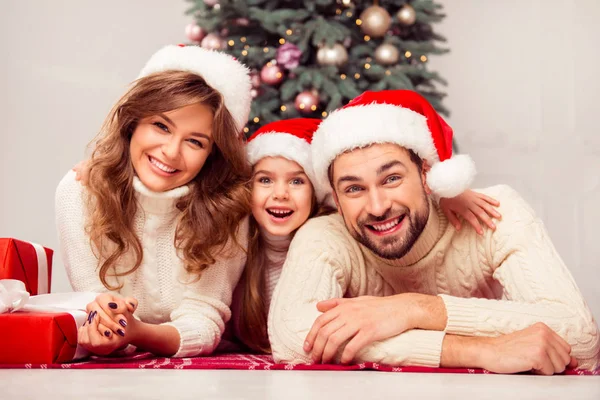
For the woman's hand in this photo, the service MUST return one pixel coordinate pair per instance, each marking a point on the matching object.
(110, 325)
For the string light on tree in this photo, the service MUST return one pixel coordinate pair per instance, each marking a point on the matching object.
(375, 21)
(407, 15)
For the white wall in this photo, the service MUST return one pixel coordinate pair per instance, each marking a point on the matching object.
(523, 88)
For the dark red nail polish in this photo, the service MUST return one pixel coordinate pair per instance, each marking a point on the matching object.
(123, 323)
(121, 332)
(107, 333)
(113, 305)
(132, 305)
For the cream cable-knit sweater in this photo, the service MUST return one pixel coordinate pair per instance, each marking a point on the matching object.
(494, 284)
(166, 294)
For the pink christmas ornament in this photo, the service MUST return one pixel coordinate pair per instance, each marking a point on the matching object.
(271, 74)
(288, 55)
(194, 32)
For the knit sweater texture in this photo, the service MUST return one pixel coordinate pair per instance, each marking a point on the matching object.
(167, 294)
(498, 283)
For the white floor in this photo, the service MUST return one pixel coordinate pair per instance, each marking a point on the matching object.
(203, 385)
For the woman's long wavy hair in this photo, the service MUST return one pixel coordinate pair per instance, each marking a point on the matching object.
(219, 196)
(253, 319)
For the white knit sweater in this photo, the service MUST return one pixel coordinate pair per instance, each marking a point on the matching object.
(493, 284)
(166, 294)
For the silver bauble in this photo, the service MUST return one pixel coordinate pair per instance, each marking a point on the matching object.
(334, 55)
(407, 15)
(387, 54)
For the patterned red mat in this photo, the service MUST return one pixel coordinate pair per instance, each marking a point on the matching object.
(243, 362)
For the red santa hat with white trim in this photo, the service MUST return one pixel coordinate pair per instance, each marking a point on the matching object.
(220, 71)
(289, 138)
(403, 117)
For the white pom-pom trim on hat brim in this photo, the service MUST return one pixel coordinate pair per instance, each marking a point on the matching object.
(451, 177)
(221, 71)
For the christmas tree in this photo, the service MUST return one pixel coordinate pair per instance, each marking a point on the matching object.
(309, 57)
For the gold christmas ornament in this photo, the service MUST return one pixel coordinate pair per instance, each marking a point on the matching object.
(212, 41)
(334, 55)
(387, 54)
(407, 15)
(375, 21)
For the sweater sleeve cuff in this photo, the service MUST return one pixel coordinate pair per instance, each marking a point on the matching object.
(427, 349)
(461, 315)
(191, 343)
(415, 348)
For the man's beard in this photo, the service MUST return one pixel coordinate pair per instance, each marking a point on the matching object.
(393, 247)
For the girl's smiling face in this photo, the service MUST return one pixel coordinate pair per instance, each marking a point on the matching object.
(282, 195)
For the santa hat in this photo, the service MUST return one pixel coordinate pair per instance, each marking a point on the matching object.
(288, 138)
(220, 71)
(403, 117)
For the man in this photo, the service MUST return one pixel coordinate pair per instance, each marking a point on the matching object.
(389, 280)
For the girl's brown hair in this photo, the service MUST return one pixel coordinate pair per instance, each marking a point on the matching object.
(252, 329)
(219, 197)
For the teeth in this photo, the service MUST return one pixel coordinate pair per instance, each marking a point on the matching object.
(161, 166)
(387, 226)
(279, 211)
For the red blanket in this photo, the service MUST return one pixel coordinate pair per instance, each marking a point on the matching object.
(244, 362)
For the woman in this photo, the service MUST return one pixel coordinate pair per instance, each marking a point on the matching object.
(160, 226)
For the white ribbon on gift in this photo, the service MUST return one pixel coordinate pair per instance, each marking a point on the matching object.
(14, 297)
(42, 262)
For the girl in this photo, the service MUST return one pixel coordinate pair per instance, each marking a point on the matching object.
(159, 226)
(283, 198)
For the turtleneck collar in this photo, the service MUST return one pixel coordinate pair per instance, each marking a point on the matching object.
(158, 202)
(274, 243)
(434, 229)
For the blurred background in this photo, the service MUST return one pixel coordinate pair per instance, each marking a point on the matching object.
(521, 94)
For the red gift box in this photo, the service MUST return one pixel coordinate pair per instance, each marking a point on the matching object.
(37, 338)
(27, 262)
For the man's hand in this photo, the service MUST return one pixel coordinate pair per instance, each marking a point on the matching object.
(358, 322)
(538, 349)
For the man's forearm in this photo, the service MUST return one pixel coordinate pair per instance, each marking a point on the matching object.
(462, 351)
(428, 312)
